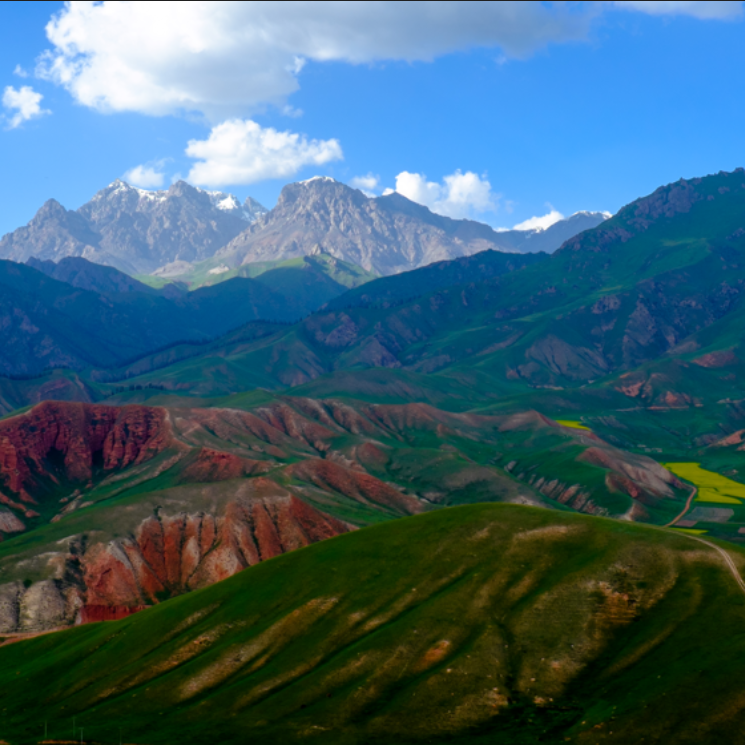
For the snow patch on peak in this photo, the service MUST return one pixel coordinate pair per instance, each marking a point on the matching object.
(229, 203)
(152, 196)
(117, 186)
(590, 213)
(327, 179)
(223, 201)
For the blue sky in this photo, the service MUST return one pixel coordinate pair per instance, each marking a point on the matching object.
(482, 110)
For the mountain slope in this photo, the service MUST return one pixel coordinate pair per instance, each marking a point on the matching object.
(613, 298)
(51, 324)
(479, 624)
(384, 234)
(310, 281)
(389, 291)
(134, 230)
(121, 507)
(86, 275)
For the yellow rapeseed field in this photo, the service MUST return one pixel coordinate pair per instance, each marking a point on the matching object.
(712, 487)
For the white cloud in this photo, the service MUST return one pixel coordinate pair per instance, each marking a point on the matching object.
(228, 58)
(147, 175)
(240, 151)
(26, 102)
(540, 223)
(702, 9)
(20, 72)
(460, 195)
(367, 184)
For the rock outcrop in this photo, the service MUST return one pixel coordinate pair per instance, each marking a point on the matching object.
(57, 443)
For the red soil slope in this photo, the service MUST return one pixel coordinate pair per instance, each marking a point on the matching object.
(56, 441)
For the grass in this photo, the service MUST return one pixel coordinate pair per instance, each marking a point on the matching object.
(486, 623)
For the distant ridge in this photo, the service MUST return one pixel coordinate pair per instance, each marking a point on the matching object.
(169, 232)
(132, 229)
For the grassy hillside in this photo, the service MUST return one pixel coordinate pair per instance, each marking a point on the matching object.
(612, 299)
(399, 288)
(309, 281)
(481, 624)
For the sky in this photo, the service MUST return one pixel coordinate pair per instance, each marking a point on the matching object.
(510, 113)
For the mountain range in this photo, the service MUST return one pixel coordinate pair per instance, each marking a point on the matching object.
(387, 235)
(134, 230)
(76, 314)
(185, 231)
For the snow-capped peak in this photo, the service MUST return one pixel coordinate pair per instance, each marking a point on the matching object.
(117, 186)
(590, 213)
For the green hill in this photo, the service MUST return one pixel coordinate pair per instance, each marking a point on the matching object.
(481, 624)
(399, 288)
(308, 281)
(611, 299)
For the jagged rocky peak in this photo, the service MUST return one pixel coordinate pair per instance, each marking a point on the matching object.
(120, 191)
(316, 192)
(50, 209)
(135, 230)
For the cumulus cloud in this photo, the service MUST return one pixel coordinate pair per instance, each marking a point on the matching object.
(702, 9)
(368, 184)
(26, 103)
(460, 195)
(20, 72)
(542, 222)
(147, 175)
(240, 151)
(226, 58)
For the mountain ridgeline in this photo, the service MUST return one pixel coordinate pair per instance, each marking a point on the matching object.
(387, 235)
(640, 287)
(185, 232)
(134, 230)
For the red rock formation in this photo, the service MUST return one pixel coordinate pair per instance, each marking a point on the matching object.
(351, 483)
(57, 440)
(717, 359)
(170, 554)
(214, 465)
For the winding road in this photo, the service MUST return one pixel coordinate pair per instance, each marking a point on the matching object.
(727, 558)
(694, 492)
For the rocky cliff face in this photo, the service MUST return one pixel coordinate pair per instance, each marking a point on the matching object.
(134, 230)
(58, 443)
(386, 234)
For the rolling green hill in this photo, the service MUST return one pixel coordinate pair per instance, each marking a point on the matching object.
(321, 266)
(399, 288)
(479, 624)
